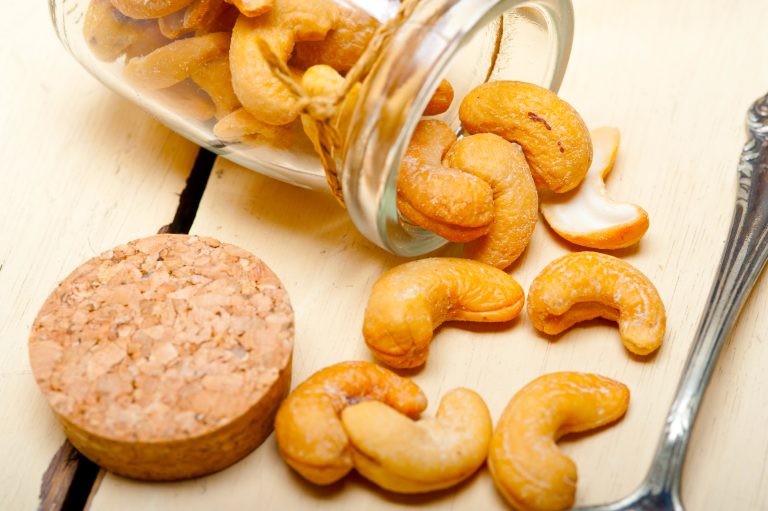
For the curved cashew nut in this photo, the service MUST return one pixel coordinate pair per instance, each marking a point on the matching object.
(588, 285)
(289, 21)
(176, 61)
(241, 126)
(150, 39)
(107, 32)
(406, 456)
(553, 136)
(527, 466)
(253, 8)
(587, 216)
(198, 17)
(411, 300)
(142, 9)
(343, 46)
(215, 79)
(451, 203)
(515, 199)
(309, 433)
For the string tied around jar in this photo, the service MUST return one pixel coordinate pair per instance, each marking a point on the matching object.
(322, 110)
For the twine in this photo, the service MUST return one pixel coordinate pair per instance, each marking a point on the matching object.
(323, 110)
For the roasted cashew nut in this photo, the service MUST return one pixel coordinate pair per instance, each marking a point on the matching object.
(150, 39)
(453, 204)
(551, 133)
(241, 126)
(176, 61)
(515, 199)
(587, 285)
(343, 46)
(441, 100)
(308, 430)
(259, 90)
(410, 301)
(198, 17)
(147, 9)
(215, 79)
(528, 467)
(406, 456)
(107, 32)
(586, 216)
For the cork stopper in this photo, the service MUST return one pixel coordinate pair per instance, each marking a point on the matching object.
(167, 357)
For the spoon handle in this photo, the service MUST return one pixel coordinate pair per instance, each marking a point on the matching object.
(744, 255)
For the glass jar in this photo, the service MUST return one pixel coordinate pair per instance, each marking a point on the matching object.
(467, 42)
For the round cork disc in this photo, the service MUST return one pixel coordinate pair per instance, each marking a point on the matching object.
(167, 357)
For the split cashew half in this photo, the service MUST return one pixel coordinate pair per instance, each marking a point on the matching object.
(406, 456)
(147, 9)
(453, 204)
(526, 464)
(587, 285)
(410, 301)
(515, 200)
(308, 430)
(586, 216)
(259, 90)
(551, 133)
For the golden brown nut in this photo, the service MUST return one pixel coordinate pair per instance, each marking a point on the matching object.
(586, 216)
(410, 301)
(216, 79)
(441, 100)
(587, 285)
(144, 9)
(150, 39)
(343, 46)
(107, 32)
(200, 17)
(515, 200)
(553, 136)
(451, 203)
(529, 470)
(259, 90)
(408, 456)
(176, 61)
(309, 433)
(240, 126)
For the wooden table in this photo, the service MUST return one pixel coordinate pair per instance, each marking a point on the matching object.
(85, 170)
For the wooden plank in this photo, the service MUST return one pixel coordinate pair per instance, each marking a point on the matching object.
(677, 79)
(82, 171)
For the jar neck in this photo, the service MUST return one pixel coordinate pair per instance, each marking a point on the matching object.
(467, 41)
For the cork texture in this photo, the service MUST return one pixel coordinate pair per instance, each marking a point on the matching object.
(167, 357)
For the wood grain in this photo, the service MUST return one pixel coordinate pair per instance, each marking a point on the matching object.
(676, 78)
(82, 170)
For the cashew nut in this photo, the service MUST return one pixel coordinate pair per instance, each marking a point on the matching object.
(215, 78)
(198, 17)
(241, 126)
(150, 39)
(553, 136)
(515, 200)
(176, 61)
(289, 21)
(587, 216)
(308, 430)
(410, 301)
(587, 285)
(451, 203)
(529, 470)
(406, 456)
(441, 100)
(143, 9)
(253, 8)
(343, 46)
(107, 32)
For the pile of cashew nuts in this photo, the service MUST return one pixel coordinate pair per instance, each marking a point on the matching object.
(523, 150)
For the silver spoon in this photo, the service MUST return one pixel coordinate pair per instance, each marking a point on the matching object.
(744, 256)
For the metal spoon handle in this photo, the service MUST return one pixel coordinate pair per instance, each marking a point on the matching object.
(744, 256)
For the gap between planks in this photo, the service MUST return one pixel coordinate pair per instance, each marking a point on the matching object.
(72, 479)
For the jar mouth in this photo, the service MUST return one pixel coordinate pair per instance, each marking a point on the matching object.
(528, 40)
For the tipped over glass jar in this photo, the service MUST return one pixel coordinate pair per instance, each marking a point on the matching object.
(199, 66)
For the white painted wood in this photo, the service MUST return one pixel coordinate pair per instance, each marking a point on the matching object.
(82, 170)
(676, 78)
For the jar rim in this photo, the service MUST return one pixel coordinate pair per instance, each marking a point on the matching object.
(399, 87)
